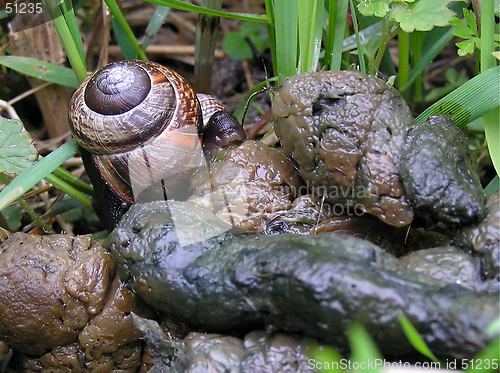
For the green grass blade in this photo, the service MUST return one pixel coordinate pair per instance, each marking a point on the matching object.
(117, 14)
(485, 361)
(42, 70)
(492, 133)
(404, 58)
(363, 348)
(69, 190)
(154, 25)
(286, 28)
(327, 356)
(365, 35)
(330, 34)
(69, 16)
(493, 186)
(271, 31)
(310, 24)
(361, 55)
(415, 338)
(69, 178)
(431, 52)
(469, 101)
(180, 5)
(126, 46)
(27, 208)
(69, 45)
(492, 118)
(32, 175)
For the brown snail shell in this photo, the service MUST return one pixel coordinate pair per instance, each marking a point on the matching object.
(141, 127)
(141, 122)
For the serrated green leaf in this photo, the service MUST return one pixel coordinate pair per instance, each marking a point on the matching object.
(470, 17)
(42, 70)
(16, 147)
(462, 30)
(422, 15)
(377, 8)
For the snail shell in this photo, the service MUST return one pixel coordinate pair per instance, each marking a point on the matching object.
(142, 124)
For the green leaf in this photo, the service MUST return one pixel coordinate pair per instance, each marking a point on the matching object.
(415, 338)
(13, 217)
(310, 24)
(377, 8)
(422, 15)
(363, 348)
(470, 101)
(470, 17)
(124, 42)
(466, 47)
(235, 43)
(16, 147)
(32, 175)
(484, 361)
(42, 70)
(462, 30)
(286, 29)
(492, 187)
(329, 359)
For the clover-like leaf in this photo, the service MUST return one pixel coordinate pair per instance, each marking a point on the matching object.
(422, 15)
(467, 30)
(466, 47)
(16, 147)
(377, 8)
(462, 30)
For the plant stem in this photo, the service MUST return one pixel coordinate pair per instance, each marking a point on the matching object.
(417, 42)
(386, 36)
(491, 119)
(404, 59)
(361, 55)
(206, 38)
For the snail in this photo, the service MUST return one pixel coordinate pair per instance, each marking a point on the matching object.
(141, 127)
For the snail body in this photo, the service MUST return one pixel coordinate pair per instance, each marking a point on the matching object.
(142, 125)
